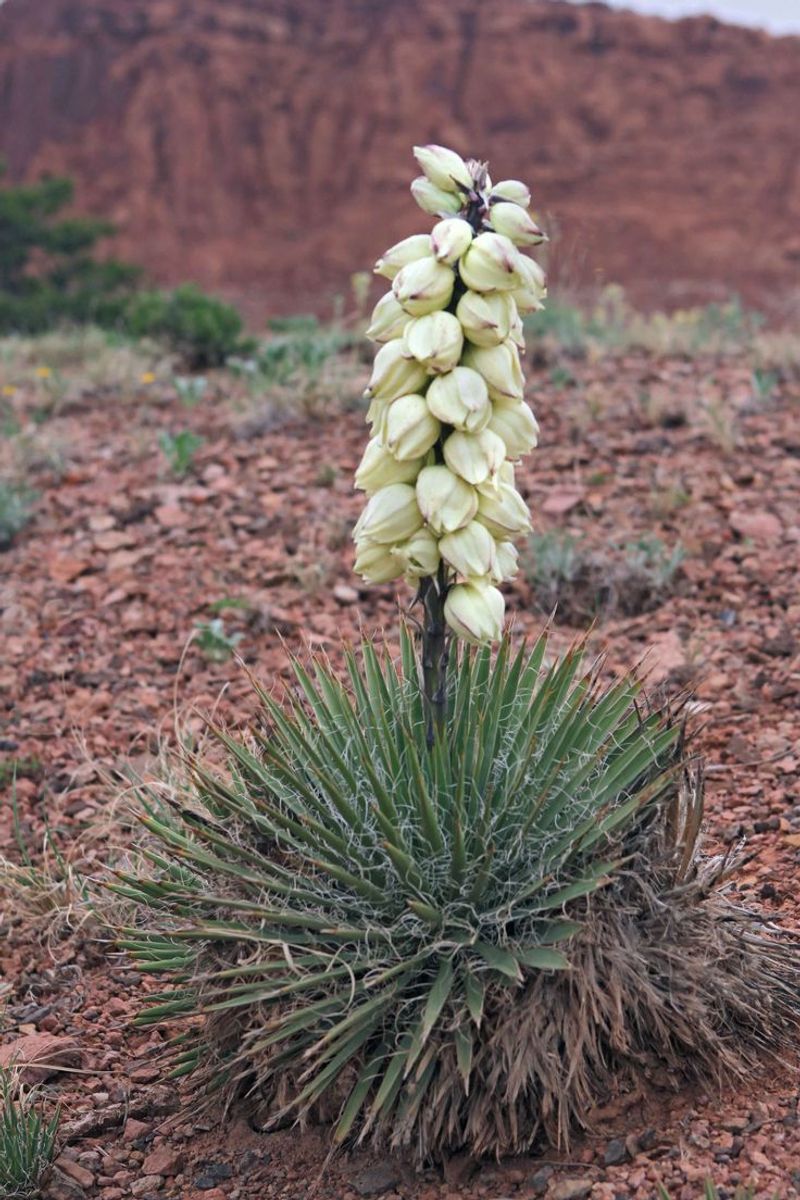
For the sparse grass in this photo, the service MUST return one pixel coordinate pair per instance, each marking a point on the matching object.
(85, 358)
(579, 582)
(18, 768)
(27, 1140)
(16, 509)
(712, 1192)
(611, 325)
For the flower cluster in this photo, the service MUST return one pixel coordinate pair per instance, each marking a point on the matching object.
(447, 413)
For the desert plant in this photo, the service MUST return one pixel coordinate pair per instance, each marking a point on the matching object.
(16, 507)
(439, 901)
(47, 273)
(578, 582)
(712, 1192)
(180, 449)
(27, 1140)
(213, 640)
(204, 331)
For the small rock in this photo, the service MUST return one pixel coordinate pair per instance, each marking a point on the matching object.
(539, 1180)
(163, 1161)
(616, 1152)
(75, 1171)
(147, 1183)
(572, 1189)
(757, 526)
(60, 1187)
(375, 1180)
(134, 1130)
(40, 1055)
(344, 594)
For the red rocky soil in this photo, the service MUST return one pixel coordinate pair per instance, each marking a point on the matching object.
(256, 145)
(101, 591)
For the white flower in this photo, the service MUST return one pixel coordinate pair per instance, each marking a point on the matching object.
(486, 317)
(475, 457)
(500, 367)
(392, 515)
(389, 319)
(490, 264)
(502, 510)
(435, 341)
(409, 429)
(450, 238)
(475, 611)
(424, 286)
(515, 223)
(445, 501)
(444, 168)
(510, 189)
(470, 551)
(393, 374)
(378, 468)
(461, 399)
(516, 425)
(433, 199)
(419, 556)
(376, 563)
(409, 250)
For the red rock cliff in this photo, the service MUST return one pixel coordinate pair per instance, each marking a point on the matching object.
(263, 146)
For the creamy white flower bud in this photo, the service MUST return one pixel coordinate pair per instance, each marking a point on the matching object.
(516, 425)
(435, 341)
(461, 399)
(378, 468)
(502, 510)
(506, 562)
(389, 319)
(486, 317)
(516, 334)
(530, 296)
(424, 286)
(419, 556)
(490, 264)
(409, 429)
(445, 501)
(392, 515)
(500, 367)
(394, 375)
(510, 189)
(433, 199)
(450, 238)
(515, 223)
(444, 167)
(376, 563)
(475, 612)
(475, 457)
(411, 249)
(470, 551)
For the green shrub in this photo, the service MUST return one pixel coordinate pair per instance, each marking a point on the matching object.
(204, 331)
(180, 449)
(579, 582)
(27, 1142)
(449, 944)
(47, 273)
(16, 507)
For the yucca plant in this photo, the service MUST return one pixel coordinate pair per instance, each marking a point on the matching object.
(711, 1192)
(449, 947)
(27, 1141)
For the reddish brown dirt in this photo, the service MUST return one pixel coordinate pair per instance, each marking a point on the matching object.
(256, 146)
(101, 591)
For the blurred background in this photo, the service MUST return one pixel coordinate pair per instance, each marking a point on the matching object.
(262, 148)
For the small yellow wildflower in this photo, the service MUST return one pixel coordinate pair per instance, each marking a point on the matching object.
(148, 377)
(8, 390)
(43, 372)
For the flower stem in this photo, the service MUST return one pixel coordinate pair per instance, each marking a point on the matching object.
(435, 652)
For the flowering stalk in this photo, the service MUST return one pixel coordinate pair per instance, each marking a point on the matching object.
(447, 411)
